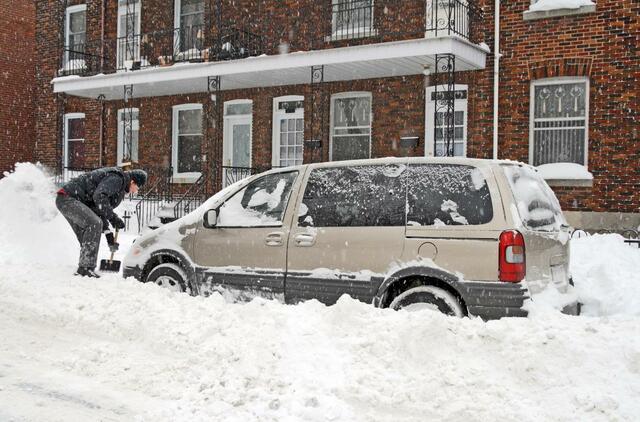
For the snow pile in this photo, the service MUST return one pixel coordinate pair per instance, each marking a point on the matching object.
(568, 171)
(118, 350)
(544, 5)
(606, 275)
(32, 232)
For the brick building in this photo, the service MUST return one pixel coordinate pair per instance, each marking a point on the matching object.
(17, 82)
(211, 90)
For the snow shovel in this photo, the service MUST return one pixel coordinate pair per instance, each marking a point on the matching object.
(109, 265)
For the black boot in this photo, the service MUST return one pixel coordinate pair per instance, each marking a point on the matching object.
(87, 272)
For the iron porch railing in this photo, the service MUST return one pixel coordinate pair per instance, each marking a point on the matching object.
(317, 25)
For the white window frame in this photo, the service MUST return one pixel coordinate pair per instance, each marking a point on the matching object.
(226, 147)
(186, 177)
(67, 117)
(356, 32)
(430, 121)
(122, 11)
(277, 114)
(120, 147)
(67, 25)
(351, 94)
(559, 81)
(177, 14)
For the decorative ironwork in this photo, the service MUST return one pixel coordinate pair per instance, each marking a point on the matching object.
(444, 117)
(317, 96)
(213, 84)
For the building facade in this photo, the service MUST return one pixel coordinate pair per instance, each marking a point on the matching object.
(202, 92)
(17, 82)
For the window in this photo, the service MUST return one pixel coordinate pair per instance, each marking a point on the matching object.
(559, 125)
(537, 205)
(354, 197)
(437, 124)
(187, 139)
(445, 194)
(128, 40)
(352, 18)
(350, 126)
(288, 131)
(262, 203)
(76, 35)
(74, 157)
(128, 129)
(189, 19)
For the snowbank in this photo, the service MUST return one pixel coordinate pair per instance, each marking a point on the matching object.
(543, 5)
(606, 273)
(111, 349)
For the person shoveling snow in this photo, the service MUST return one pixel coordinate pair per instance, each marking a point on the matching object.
(87, 203)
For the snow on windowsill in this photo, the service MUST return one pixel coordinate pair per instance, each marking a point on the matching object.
(566, 174)
(554, 8)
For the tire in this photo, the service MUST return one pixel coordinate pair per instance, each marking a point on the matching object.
(428, 297)
(169, 276)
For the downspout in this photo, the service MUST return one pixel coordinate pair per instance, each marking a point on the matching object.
(496, 77)
(101, 97)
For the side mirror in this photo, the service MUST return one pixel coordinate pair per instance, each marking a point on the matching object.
(211, 219)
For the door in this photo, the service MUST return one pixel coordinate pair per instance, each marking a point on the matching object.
(348, 232)
(238, 125)
(288, 131)
(245, 254)
(128, 33)
(436, 123)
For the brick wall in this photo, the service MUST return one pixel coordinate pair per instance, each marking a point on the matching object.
(17, 76)
(607, 40)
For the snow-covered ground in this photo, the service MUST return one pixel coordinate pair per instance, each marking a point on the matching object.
(74, 349)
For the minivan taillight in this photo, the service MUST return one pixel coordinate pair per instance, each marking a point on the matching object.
(512, 260)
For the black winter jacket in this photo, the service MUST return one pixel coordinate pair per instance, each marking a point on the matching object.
(101, 190)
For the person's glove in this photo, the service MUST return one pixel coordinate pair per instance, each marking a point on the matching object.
(117, 223)
(113, 245)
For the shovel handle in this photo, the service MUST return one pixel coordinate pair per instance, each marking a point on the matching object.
(115, 240)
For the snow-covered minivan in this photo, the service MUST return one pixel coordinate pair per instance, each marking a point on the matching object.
(464, 236)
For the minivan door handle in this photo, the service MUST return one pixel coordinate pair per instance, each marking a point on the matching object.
(305, 239)
(274, 239)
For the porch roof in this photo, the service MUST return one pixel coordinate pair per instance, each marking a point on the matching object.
(399, 58)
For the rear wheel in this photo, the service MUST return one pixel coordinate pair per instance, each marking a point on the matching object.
(428, 297)
(169, 276)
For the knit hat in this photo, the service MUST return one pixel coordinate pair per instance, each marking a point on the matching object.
(138, 176)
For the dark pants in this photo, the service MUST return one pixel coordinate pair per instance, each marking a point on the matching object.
(85, 224)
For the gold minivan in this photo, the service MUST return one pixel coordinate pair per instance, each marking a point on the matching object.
(463, 236)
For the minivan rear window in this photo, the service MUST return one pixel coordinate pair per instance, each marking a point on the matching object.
(537, 205)
(447, 195)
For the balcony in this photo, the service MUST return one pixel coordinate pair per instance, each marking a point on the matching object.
(356, 39)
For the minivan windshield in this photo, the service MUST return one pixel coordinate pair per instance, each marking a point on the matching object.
(537, 205)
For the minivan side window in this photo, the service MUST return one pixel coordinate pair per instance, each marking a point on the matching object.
(262, 203)
(447, 194)
(354, 197)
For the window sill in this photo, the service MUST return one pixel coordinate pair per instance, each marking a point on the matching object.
(177, 178)
(362, 33)
(543, 14)
(576, 183)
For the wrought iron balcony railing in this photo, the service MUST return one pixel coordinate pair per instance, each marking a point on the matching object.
(319, 25)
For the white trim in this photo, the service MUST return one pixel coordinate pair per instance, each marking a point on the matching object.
(120, 136)
(275, 133)
(122, 9)
(67, 25)
(558, 81)
(67, 117)
(351, 94)
(429, 120)
(187, 177)
(228, 123)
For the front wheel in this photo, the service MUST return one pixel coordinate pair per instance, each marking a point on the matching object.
(428, 297)
(169, 276)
